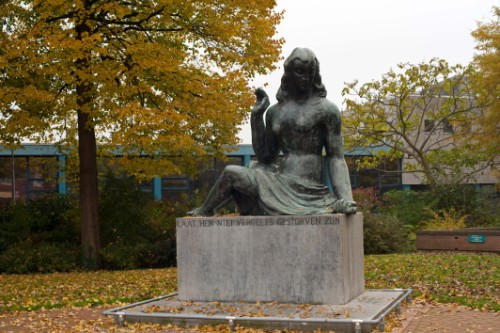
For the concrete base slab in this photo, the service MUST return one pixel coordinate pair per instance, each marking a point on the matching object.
(362, 314)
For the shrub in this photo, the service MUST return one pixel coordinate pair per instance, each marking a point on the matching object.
(445, 220)
(460, 197)
(27, 257)
(464, 200)
(122, 211)
(367, 199)
(410, 207)
(40, 237)
(163, 220)
(385, 234)
(51, 219)
(16, 221)
(136, 231)
(44, 236)
(55, 219)
(414, 208)
(121, 255)
(382, 233)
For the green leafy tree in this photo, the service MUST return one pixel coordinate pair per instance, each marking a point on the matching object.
(422, 113)
(157, 78)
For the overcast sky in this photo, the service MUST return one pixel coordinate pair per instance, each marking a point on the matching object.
(363, 39)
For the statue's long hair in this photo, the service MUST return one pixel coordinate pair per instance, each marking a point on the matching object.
(305, 55)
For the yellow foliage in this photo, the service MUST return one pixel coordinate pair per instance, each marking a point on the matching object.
(445, 220)
(486, 129)
(159, 78)
(150, 80)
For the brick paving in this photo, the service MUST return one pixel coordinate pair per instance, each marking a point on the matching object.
(446, 318)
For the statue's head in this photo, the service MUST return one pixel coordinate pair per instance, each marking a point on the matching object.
(301, 75)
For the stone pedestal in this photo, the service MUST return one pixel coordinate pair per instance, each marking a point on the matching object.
(315, 259)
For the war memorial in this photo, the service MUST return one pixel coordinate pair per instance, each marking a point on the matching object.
(293, 257)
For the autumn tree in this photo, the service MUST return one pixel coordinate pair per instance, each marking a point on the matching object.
(487, 128)
(420, 113)
(155, 78)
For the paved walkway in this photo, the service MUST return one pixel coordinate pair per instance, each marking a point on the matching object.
(414, 318)
(446, 318)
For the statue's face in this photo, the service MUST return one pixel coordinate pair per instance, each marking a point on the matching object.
(302, 74)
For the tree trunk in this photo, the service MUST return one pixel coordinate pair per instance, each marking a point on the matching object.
(88, 192)
(431, 180)
(87, 152)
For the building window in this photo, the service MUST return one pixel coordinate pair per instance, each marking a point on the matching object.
(5, 180)
(353, 172)
(175, 188)
(42, 177)
(390, 174)
(386, 176)
(146, 186)
(447, 126)
(27, 177)
(429, 125)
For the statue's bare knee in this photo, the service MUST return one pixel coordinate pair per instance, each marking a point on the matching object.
(232, 174)
(239, 179)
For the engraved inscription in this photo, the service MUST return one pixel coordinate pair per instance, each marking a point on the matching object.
(239, 222)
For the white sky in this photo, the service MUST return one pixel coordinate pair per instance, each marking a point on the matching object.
(363, 39)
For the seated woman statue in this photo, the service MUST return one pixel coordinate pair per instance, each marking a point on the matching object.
(303, 125)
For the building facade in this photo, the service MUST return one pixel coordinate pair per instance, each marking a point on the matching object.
(30, 172)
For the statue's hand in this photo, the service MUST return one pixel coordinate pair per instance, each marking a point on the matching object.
(262, 102)
(345, 206)
(350, 207)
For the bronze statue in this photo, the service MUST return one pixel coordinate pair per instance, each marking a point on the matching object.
(303, 125)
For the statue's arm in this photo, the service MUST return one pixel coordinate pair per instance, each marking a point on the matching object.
(337, 167)
(265, 144)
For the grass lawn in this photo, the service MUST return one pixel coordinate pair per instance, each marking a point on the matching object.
(469, 279)
(463, 278)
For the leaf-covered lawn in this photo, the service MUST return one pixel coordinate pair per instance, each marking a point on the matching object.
(468, 279)
(84, 289)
